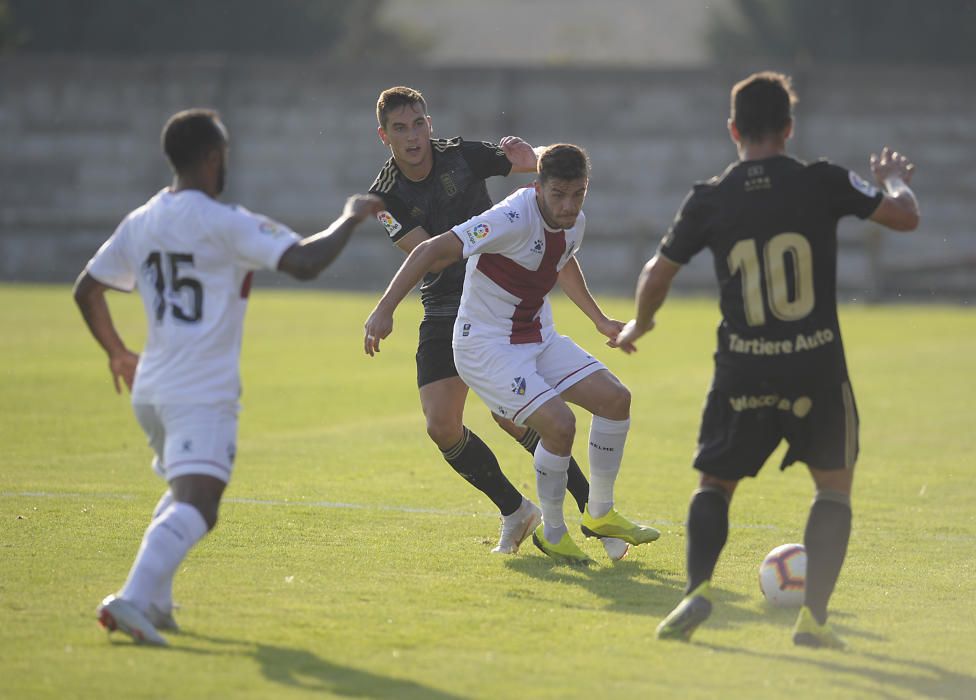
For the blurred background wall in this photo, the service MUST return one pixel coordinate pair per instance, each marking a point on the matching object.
(86, 87)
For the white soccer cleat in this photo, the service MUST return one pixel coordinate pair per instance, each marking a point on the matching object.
(615, 548)
(117, 614)
(517, 526)
(162, 619)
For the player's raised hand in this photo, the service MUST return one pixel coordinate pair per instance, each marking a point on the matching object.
(360, 206)
(630, 333)
(611, 328)
(891, 164)
(519, 152)
(378, 326)
(123, 364)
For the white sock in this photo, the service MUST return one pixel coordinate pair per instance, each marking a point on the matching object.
(163, 504)
(519, 512)
(162, 597)
(607, 438)
(167, 540)
(550, 478)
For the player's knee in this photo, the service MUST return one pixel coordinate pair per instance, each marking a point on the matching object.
(723, 487)
(562, 433)
(834, 480)
(444, 433)
(620, 403)
(614, 402)
(508, 426)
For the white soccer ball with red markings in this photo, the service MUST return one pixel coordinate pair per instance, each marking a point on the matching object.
(783, 575)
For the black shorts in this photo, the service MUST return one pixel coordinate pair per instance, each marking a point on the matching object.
(435, 351)
(740, 431)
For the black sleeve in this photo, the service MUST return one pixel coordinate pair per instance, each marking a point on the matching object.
(485, 158)
(846, 192)
(397, 218)
(688, 234)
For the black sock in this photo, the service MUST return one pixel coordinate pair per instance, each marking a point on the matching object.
(827, 533)
(472, 459)
(707, 530)
(577, 485)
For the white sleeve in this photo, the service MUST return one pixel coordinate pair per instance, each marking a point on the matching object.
(256, 241)
(501, 229)
(111, 265)
(580, 228)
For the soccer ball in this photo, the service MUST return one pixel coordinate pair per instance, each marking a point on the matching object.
(783, 575)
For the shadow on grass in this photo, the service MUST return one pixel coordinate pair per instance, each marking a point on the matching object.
(631, 586)
(864, 671)
(635, 587)
(304, 670)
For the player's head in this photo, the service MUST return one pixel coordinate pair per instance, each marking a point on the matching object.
(195, 142)
(564, 173)
(762, 107)
(404, 125)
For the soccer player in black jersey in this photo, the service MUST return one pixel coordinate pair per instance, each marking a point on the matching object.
(428, 186)
(770, 222)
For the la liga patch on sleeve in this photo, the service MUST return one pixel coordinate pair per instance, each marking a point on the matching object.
(389, 223)
(477, 232)
(862, 185)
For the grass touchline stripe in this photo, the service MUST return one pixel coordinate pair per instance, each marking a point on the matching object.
(311, 504)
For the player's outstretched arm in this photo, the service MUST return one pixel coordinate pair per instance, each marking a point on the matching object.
(652, 289)
(309, 256)
(89, 294)
(440, 251)
(573, 284)
(899, 208)
(521, 155)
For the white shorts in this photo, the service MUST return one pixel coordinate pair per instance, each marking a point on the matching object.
(191, 438)
(514, 380)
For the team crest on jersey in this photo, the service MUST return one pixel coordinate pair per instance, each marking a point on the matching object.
(862, 185)
(512, 216)
(518, 386)
(477, 232)
(465, 330)
(389, 223)
(449, 187)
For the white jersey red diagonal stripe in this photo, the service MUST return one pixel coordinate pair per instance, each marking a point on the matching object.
(513, 264)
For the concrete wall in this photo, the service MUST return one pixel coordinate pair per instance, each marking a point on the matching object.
(79, 149)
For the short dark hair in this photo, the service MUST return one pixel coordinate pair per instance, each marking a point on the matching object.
(762, 105)
(189, 136)
(394, 97)
(563, 161)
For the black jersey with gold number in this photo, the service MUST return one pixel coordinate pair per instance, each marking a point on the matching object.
(771, 226)
(452, 193)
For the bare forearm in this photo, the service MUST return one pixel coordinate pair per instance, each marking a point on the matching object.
(901, 193)
(573, 284)
(420, 261)
(90, 298)
(652, 290)
(307, 258)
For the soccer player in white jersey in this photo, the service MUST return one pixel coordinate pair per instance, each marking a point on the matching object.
(191, 259)
(507, 349)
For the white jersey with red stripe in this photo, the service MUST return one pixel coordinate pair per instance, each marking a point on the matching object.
(513, 263)
(191, 259)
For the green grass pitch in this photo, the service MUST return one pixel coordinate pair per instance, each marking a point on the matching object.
(350, 561)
